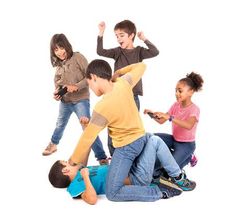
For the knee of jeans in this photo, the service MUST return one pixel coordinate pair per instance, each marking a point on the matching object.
(156, 141)
(110, 195)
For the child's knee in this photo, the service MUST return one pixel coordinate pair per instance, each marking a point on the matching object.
(110, 195)
(154, 142)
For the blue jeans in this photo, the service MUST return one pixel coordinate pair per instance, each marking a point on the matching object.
(110, 143)
(121, 163)
(142, 170)
(181, 151)
(81, 109)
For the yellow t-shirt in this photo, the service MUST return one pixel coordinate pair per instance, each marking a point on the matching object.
(117, 111)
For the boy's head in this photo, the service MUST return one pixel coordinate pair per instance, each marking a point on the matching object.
(61, 174)
(97, 72)
(125, 32)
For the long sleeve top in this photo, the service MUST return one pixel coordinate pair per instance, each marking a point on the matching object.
(72, 72)
(124, 57)
(117, 111)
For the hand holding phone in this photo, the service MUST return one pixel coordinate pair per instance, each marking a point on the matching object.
(152, 116)
(62, 91)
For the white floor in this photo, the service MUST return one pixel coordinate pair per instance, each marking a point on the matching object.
(191, 35)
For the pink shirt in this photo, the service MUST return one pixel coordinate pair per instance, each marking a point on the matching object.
(182, 134)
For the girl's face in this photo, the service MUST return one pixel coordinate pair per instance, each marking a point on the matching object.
(183, 92)
(123, 39)
(60, 53)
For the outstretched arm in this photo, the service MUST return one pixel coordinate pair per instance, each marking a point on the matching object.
(156, 116)
(89, 195)
(81, 152)
(187, 124)
(132, 72)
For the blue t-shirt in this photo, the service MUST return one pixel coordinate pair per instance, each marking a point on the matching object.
(97, 176)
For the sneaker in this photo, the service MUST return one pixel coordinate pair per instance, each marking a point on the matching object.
(169, 190)
(155, 180)
(104, 161)
(184, 183)
(51, 148)
(193, 161)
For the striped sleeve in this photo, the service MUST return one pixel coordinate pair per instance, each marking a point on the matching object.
(82, 150)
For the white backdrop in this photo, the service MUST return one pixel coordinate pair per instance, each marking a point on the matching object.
(191, 36)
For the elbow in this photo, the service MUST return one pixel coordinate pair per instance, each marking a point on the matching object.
(92, 201)
(189, 127)
(98, 52)
(156, 53)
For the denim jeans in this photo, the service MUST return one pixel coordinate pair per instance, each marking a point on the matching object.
(81, 108)
(181, 151)
(119, 169)
(110, 143)
(141, 172)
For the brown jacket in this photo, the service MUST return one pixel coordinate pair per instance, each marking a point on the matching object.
(72, 72)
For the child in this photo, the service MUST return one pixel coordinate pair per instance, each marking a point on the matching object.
(184, 116)
(70, 73)
(126, 53)
(89, 182)
(117, 111)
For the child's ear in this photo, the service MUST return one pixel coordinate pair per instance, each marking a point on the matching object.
(132, 35)
(191, 92)
(93, 77)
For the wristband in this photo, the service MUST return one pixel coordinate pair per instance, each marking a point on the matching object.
(171, 118)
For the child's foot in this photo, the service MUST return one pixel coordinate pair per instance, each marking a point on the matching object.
(184, 183)
(168, 189)
(51, 148)
(193, 161)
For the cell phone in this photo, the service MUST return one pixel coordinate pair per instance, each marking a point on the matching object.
(62, 91)
(150, 114)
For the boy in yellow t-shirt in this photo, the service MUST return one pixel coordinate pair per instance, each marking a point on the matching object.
(117, 111)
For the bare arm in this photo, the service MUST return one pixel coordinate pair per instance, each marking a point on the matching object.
(89, 195)
(187, 124)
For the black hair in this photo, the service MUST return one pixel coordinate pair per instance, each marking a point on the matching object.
(127, 26)
(193, 80)
(59, 40)
(56, 176)
(99, 68)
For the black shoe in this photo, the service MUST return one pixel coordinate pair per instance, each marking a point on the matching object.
(169, 190)
(184, 183)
